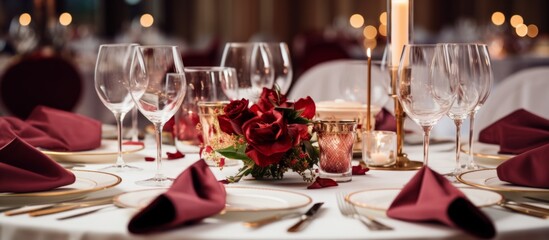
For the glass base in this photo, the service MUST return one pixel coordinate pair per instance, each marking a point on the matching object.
(120, 168)
(156, 182)
(338, 177)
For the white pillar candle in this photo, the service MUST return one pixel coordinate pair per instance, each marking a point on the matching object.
(399, 28)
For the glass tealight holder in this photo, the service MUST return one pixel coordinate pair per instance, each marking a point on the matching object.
(335, 142)
(379, 148)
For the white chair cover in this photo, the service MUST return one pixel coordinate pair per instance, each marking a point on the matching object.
(528, 89)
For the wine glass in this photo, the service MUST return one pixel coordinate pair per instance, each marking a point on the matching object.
(253, 64)
(204, 84)
(282, 65)
(157, 85)
(484, 85)
(464, 61)
(426, 90)
(111, 84)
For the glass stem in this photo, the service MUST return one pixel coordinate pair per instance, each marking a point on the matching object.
(119, 123)
(426, 133)
(458, 123)
(471, 161)
(135, 132)
(158, 133)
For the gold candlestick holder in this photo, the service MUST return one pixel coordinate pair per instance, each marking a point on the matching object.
(403, 163)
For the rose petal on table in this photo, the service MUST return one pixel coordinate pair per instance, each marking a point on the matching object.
(224, 181)
(175, 155)
(359, 170)
(322, 183)
(149, 159)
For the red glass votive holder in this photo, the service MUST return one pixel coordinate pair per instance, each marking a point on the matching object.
(335, 141)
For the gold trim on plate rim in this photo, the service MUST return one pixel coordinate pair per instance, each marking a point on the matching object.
(485, 155)
(460, 179)
(65, 192)
(89, 153)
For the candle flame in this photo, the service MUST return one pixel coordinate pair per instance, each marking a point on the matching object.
(368, 52)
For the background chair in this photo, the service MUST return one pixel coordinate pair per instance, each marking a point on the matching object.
(526, 89)
(34, 80)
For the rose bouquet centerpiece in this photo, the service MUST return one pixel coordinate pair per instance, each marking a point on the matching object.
(270, 137)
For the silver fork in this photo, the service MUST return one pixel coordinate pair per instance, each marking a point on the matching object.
(349, 210)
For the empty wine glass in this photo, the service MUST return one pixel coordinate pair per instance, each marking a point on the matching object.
(253, 65)
(111, 84)
(426, 90)
(157, 84)
(484, 86)
(282, 64)
(464, 62)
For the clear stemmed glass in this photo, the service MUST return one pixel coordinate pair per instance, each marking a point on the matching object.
(157, 84)
(253, 65)
(111, 84)
(484, 85)
(426, 89)
(282, 64)
(464, 60)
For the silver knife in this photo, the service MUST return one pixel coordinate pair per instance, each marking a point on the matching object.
(305, 218)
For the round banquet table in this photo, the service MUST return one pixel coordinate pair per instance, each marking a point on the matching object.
(111, 223)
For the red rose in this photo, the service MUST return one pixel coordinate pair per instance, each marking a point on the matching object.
(267, 137)
(299, 132)
(236, 114)
(306, 106)
(268, 99)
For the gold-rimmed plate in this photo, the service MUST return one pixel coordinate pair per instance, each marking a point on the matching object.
(107, 152)
(486, 154)
(488, 179)
(381, 199)
(239, 199)
(86, 182)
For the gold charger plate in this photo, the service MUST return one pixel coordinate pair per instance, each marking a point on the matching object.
(107, 152)
(86, 182)
(485, 150)
(488, 179)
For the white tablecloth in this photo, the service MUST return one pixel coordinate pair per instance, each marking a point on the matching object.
(112, 223)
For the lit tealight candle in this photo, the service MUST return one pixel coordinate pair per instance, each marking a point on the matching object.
(379, 158)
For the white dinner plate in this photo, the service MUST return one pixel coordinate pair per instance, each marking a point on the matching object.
(488, 179)
(485, 154)
(85, 183)
(239, 199)
(107, 152)
(381, 199)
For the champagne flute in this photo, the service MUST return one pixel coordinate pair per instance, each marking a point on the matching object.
(253, 65)
(464, 60)
(426, 90)
(282, 65)
(111, 84)
(485, 82)
(157, 85)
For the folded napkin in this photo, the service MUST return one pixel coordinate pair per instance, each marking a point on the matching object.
(385, 121)
(54, 129)
(517, 132)
(431, 197)
(194, 195)
(527, 169)
(25, 169)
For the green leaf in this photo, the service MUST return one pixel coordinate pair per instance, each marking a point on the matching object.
(231, 152)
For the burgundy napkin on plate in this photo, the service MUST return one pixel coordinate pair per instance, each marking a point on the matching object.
(25, 169)
(194, 195)
(517, 132)
(527, 169)
(67, 131)
(430, 197)
(385, 121)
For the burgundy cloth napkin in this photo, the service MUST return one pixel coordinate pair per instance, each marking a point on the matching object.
(527, 169)
(54, 130)
(194, 195)
(385, 121)
(517, 132)
(430, 197)
(23, 168)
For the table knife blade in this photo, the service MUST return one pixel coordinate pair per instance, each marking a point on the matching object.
(305, 218)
